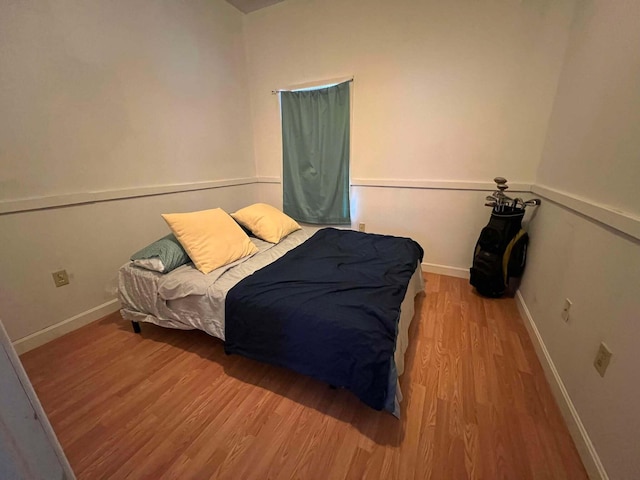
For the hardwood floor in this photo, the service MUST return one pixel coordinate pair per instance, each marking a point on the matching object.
(171, 404)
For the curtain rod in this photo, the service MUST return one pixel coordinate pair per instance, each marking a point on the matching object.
(312, 84)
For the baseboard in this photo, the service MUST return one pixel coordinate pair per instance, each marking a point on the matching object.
(445, 270)
(585, 447)
(54, 331)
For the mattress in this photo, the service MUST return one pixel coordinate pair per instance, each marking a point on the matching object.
(186, 299)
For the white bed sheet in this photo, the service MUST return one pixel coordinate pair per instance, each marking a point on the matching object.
(407, 311)
(147, 296)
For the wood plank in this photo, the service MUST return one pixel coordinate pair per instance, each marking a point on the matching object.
(171, 404)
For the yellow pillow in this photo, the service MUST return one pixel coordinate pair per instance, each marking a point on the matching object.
(266, 222)
(210, 237)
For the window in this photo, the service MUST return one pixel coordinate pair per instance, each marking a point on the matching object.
(316, 144)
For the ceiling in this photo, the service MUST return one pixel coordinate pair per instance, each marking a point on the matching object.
(247, 6)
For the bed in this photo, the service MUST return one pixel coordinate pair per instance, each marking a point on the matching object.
(335, 306)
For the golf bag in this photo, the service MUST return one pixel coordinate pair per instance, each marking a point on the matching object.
(501, 252)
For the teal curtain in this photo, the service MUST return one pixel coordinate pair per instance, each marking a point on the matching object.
(315, 144)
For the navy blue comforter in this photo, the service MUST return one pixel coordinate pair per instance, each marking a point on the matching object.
(328, 308)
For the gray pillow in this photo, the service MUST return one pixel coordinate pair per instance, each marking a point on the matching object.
(162, 255)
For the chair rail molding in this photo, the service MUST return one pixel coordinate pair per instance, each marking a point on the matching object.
(622, 221)
(79, 198)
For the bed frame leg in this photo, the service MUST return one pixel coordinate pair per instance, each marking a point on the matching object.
(136, 327)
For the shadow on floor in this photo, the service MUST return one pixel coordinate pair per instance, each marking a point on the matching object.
(381, 427)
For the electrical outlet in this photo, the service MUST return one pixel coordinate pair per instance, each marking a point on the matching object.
(603, 357)
(60, 278)
(566, 309)
(361, 227)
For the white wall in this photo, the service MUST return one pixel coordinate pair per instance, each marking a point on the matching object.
(592, 149)
(418, 213)
(592, 152)
(599, 270)
(443, 91)
(102, 96)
